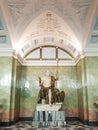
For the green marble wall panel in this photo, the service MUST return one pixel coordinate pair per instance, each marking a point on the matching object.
(15, 90)
(82, 90)
(5, 81)
(92, 81)
(19, 86)
(87, 73)
(81, 83)
(30, 85)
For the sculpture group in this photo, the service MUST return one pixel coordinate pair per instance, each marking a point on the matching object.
(49, 93)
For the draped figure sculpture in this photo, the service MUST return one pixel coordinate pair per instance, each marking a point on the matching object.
(48, 92)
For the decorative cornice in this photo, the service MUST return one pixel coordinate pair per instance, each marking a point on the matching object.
(6, 52)
(49, 63)
(91, 52)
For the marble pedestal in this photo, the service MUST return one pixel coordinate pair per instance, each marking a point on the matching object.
(47, 107)
(45, 116)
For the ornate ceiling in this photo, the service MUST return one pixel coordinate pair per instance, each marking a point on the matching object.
(68, 24)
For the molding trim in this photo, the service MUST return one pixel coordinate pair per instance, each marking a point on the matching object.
(9, 52)
(91, 52)
(48, 63)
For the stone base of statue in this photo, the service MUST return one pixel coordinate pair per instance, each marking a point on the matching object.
(49, 116)
(47, 107)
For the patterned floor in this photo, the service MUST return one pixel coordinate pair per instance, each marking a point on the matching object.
(69, 126)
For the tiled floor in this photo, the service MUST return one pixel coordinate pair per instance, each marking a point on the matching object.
(69, 126)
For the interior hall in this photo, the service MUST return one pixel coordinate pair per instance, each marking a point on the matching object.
(60, 36)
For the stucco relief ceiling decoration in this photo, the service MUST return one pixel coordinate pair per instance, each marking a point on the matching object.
(49, 29)
(20, 8)
(81, 8)
(20, 14)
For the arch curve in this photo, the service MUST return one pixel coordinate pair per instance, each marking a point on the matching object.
(48, 29)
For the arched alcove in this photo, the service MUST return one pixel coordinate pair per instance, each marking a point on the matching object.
(48, 29)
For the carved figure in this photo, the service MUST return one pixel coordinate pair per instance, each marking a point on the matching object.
(48, 92)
